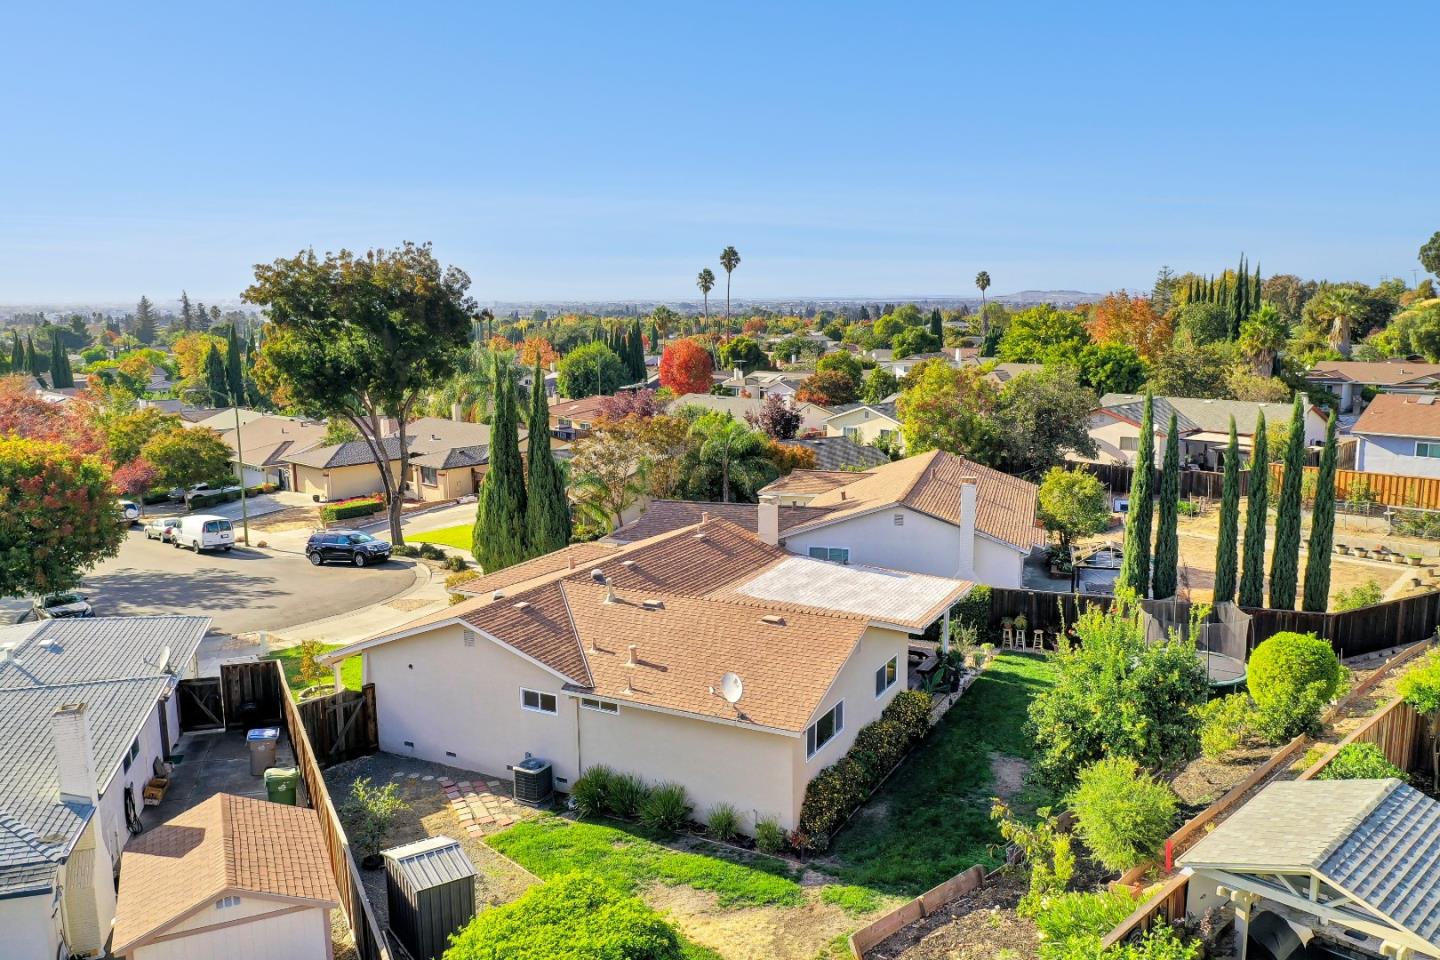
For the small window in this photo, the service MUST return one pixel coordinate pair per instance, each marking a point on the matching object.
(1130, 444)
(885, 676)
(226, 903)
(852, 433)
(604, 706)
(1427, 449)
(536, 701)
(130, 755)
(831, 554)
(212, 526)
(430, 476)
(822, 731)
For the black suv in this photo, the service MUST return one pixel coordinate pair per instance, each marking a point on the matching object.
(351, 546)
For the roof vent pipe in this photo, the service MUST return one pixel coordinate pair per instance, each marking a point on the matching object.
(632, 662)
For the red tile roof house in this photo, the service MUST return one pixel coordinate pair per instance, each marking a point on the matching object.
(613, 654)
(1348, 378)
(1399, 433)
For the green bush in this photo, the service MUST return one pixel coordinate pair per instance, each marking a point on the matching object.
(405, 550)
(591, 791)
(974, 609)
(346, 509)
(1292, 676)
(1072, 925)
(1360, 761)
(878, 747)
(910, 709)
(724, 823)
(456, 564)
(428, 551)
(1161, 943)
(571, 917)
(1122, 814)
(627, 795)
(459, 577)
(1225, 723)
(830, 797)
(1366, 594)
(1420, 685)
(666, 808)
(1045, 851)
(769, 838)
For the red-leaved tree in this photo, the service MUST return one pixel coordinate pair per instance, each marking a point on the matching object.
(685, 367)
(630, 403)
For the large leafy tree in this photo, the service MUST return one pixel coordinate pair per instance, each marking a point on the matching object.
(775, 418)
(1111, 368)
(1285, 561)
(57, 516)
(1166, 578)
(1226, 560)
(1043, 333)
(1322, 528)
(182, 457)
(127, 432)
(1252, 554)
(728, 461)
(1135, 565)
(589, 370)
(742, 353)
(1430, 254)
(1072, 504)
(686, 367)
(547, 510)
(1121, 318)
(1045, 415)
(945, 408)
(880, 384)
(828, 388)
(362, 337)
(1188, 369)
(500, 537)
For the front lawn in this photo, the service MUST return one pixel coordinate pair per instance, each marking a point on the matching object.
(931, 819)
(351, 669)
(459, 537)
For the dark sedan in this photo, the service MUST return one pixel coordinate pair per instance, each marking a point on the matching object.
(346, 546)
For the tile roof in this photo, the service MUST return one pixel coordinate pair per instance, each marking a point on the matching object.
(111, 664)
(1383, 373)
(452, 458)
(1400, 415)
(353, 453)
(884, 409)
(837, 453)
(1193, 414)
(665, 516)
(814, 481)
(425, 435)
(930, 483)
(225, 845)
(585, 409)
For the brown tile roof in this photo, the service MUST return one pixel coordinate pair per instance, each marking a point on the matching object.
(813, 481)
(535, 622)
(1400, 415)
(581, 553)
(665, 516)
(1381, 373)
(930, 483)
(585, 409)
(225, 845)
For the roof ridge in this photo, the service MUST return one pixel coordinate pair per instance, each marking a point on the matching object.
(575, 634)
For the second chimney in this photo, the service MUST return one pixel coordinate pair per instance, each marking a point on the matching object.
(74, 754)
(767, 523)
(969, 487)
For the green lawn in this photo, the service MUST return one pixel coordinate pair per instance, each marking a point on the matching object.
(460, 536)
(350, 670)
(931, 820)
(549, 846)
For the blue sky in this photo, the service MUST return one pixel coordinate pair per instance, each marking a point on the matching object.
(561, 151)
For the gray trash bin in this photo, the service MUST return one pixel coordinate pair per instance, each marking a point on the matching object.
(262, 742)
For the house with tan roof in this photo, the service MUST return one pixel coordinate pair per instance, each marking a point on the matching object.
(1351, 380)
(812, 415)
(263, 442)
(614, 654)
(1399, 433)
(933, 513)
(231, 877)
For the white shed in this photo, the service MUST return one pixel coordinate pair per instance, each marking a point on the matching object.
(233, 878)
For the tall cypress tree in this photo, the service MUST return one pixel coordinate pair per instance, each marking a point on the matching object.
(1322, 528)
(32, 359)
(1225, 559)
(1166, 578)
(1237, 305)
(60, 375)
(1135, 566)
(1285, 561)
(1252, 573)
(547, 511)
(937, 327)
(215, 381)
(234, 372)
(499, 537)
(17, 353)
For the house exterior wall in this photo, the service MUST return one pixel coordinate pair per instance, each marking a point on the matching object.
(30, 926)
(1394, 455)
(341, 483)
(302, 935)
(867, 426)
(1107, 432)
(449, 485)
(112, 795)
(87, 882)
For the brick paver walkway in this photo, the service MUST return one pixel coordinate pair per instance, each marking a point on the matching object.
(480, 805)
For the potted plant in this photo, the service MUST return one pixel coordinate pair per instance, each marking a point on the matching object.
(1414, 559)
(1362, 552)
(1021, 623)
(368, 813)
(1342, 548)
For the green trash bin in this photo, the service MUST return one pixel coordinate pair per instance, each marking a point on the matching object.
(280, 784)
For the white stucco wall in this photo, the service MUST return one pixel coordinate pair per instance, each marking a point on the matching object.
(867, 425)
(1394, 455)
(112, 795)
(30, 926)
(302, 935)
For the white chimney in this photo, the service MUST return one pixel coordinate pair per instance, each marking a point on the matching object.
(455, 413)
(74, 755)
(739, 374)
(966, 564)
(768, 521)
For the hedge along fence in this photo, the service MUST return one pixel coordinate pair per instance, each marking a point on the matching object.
(345, 509)
(876, 932)
(1398, 730)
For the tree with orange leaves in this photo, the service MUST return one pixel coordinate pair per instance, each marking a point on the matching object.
(685, 367)
(537, 350)
(1121, 318)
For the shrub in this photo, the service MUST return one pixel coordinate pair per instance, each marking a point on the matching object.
(769, 838)
(428, 551)
(345, 509)
(571, 917)
(878, 747)
(1360, 761)
(665, 808)
(1366, 594)
(627, 795)
(591, 791)
(911, 710)
(402, 550)
(463, 576)
(830, 797)
(1045, 850)
(1292, 676)
(1225, 723)
(455, 563)
(368, 812)
(1121, 813)
(724, 822)
(973, 610)
(1072, 925)
(1161, 943)
(1420, 685)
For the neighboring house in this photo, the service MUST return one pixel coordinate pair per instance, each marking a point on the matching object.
(87, 707)
(1348, 379)
(265, 441)
(1003, 373)
(934, 513)
(1399, 433)
(759, 384)
(573, 419)
(232, 877)
(1348, 864)
(224, 418)
(840, 453)
(1204, 427)
(812, 415)
(617, 662)
(866, 423)
(667, 516)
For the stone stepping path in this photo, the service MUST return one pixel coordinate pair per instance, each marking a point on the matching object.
(480, 806)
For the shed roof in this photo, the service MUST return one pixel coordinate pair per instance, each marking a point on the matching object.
(430, 862)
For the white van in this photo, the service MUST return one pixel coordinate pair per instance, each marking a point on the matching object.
(204, 531)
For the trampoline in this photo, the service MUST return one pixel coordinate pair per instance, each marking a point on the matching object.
(1220, 639)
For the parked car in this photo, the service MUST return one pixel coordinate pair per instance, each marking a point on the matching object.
(129, 512)
(162, 529)
(57, 606)
(349, 546)
(200, 490)
(203, 531)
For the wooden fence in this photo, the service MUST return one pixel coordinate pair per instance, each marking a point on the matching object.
(252, 691)
(1390, 489)
(369, 941)
(1118, 478)
(1165, 906)
(867, 937)
(341, 726)
(1398, 730)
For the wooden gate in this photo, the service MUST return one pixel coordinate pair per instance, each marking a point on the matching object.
(341, 726)
(200, 705)
(252, 694)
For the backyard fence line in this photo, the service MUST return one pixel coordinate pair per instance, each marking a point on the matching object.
(1398, 730)
(874, 933)
(1165, 906)
(369, 941)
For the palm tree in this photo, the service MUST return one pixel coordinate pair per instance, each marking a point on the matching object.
(729, 259)
(1262, 337)
(1339, 308)
(982, 280)
(706, 282)
(663, 318)
(731, 450)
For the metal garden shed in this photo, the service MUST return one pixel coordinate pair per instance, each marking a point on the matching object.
(430, 888)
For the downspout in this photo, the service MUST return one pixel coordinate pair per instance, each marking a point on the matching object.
(579, 760)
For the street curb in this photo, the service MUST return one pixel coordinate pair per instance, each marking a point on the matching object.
(422, 581)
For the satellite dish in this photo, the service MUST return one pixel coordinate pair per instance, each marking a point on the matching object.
(731, 688)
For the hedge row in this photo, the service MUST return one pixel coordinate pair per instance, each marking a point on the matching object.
(346, 509)
(840, 789)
